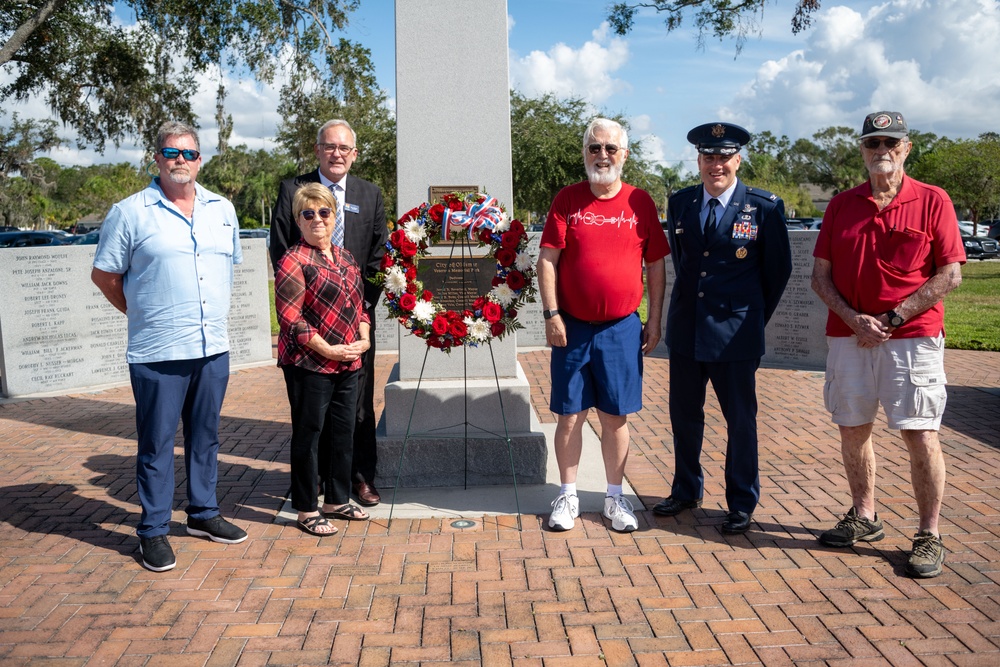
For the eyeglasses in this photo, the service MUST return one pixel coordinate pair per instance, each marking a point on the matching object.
(595, 149)
(872, 143)
(172, 153)
(309, 214)
(334, 148)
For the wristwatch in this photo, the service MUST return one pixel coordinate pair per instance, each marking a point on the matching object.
(895, 319)
(549, 314)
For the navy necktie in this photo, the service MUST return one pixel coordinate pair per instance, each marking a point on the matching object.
(710, 222)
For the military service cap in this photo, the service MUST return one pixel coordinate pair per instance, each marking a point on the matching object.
(719, 138)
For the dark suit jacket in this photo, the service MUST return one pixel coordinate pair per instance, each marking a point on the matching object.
(726, 288)
(364, 229)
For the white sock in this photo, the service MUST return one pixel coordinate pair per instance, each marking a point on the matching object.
(614, 490)
(568, 489)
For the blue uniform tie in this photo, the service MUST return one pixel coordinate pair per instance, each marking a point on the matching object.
(710, 222)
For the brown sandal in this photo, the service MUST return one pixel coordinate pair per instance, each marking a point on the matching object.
(348, 512)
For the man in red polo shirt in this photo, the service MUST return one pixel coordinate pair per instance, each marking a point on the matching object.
(888, 252)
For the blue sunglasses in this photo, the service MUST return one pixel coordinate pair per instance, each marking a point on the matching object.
(172, 153)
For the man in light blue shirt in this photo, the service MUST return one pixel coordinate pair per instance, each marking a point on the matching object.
(165, 258)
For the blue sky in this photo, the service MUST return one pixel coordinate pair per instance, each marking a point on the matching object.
(936, 61)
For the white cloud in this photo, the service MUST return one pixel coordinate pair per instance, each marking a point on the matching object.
(586, 72)
(933, 61)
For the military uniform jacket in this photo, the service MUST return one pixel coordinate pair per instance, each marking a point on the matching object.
(727, 286)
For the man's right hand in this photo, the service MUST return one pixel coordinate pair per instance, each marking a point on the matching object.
(555, 331)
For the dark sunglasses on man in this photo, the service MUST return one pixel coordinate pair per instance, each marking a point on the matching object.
(171, 153)
(595, 149)
(872, 143)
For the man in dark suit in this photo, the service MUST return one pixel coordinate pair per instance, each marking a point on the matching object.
(364, 235)
(732, 261)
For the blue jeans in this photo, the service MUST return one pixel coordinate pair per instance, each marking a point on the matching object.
(167, 392)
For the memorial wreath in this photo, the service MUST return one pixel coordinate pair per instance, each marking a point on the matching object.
(490, 315)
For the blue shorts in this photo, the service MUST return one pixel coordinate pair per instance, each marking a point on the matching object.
(601, 366)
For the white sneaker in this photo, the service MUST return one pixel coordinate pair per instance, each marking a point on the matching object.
(620, 511)
(565, 508)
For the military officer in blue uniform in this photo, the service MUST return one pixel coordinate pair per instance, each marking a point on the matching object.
(731, 260)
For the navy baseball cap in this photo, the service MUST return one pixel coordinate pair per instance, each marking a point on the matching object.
(884, 124)
(718, 138)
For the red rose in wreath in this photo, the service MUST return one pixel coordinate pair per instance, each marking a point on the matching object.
(492, 312)
(407, 301)
(515, 280)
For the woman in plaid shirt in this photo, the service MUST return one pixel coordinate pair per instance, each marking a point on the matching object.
(324, 332)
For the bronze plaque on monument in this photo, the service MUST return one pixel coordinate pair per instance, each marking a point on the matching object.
(434, 195)
(457, 281)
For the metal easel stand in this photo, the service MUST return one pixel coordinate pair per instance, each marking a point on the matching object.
(465, 422)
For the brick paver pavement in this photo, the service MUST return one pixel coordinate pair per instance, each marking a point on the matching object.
(676, 592)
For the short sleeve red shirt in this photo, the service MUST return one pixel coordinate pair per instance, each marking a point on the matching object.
(879, 258)
(603, 244)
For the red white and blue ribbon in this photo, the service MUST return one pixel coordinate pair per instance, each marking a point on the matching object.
(486, 214)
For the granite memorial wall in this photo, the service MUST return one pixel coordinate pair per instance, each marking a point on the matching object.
(58, 334)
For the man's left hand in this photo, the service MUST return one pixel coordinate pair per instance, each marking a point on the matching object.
(650, 336)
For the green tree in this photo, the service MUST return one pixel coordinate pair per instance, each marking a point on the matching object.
(770, 165)
(546, 135)
(832, 159)
(719, 18)
(110, 83)
(249, 179)
(23, 182)
(546, 152)
(968, 170)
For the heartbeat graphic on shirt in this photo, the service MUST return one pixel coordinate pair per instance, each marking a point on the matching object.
(589, 218)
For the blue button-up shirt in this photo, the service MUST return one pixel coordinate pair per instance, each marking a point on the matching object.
(178, 273)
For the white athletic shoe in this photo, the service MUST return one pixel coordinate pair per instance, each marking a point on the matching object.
(565, 509)
(620, 511)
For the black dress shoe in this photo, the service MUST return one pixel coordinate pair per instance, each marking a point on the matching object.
(670, 506)
(737, 523)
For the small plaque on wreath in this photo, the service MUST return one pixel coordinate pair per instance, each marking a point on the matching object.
(492, 313)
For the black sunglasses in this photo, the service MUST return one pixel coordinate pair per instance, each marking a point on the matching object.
(872, 143)
(595, 149)
(309, 214)
(172, 153)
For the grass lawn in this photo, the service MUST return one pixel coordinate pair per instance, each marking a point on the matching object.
(971, 312)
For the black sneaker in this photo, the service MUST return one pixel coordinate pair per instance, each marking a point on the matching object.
(927, 557)
(851, 529)
(156, 553)
(216, 529)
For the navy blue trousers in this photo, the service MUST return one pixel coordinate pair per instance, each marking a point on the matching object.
(167, 392)
(735, 385)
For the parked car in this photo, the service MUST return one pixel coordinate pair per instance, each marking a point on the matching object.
(257, 233)
(30, 239)
(966, 226)
(980, 247)
(801, 223)
(994, 228)
(90, 238)
(8, 228)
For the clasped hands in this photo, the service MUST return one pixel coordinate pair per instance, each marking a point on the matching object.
(872, 331)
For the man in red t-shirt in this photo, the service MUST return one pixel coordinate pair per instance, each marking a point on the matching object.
(888, 252)
(596, 238)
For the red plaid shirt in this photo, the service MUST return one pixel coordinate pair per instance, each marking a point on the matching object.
(316, 296)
